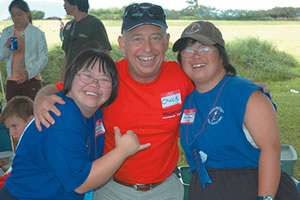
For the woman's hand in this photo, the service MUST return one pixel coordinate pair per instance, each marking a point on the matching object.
(129, 142)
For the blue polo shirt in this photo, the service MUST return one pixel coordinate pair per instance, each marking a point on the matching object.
(52, 163)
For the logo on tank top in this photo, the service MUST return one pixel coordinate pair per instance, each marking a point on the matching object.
(215, 115)
(99, 129)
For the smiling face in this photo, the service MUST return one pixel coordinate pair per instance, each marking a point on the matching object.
(19, 17)
(205, 69)
(145, 47)
(90, 96)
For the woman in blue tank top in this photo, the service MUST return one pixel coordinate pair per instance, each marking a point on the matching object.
(229, 127)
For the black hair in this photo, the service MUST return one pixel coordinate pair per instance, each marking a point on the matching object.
(22, 5)
(87, 59)
(82, 5)
(222, 52)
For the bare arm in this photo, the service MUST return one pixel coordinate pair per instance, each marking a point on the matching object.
(261, 121)
(43, 103)
(103, 168)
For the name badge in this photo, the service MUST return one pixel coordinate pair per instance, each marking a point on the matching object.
(99, 129)
(68, 26)
(188, 116)
(170, 99)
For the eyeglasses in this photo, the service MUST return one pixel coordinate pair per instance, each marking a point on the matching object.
(137, 11)
(102, 82)
(188, 52)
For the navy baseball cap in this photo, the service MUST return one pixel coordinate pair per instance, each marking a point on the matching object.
(145, 13)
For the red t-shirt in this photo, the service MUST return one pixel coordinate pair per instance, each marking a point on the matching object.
(152, 111)
(3, 178)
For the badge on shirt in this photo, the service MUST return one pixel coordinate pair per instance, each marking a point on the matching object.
(188, 116)
(171, 99)
(68, 26)
(99, 129)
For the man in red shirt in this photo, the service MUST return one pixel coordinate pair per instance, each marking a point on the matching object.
(149, 102)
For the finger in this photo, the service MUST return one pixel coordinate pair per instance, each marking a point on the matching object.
(57, 99)
(117, 133)
(54, 109)
(144, 146)
(37, 123)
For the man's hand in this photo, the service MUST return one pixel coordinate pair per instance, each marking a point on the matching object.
(43, 103)
(262, 84)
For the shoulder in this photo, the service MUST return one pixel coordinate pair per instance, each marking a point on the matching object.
(240, 82)
(31, 27)
(8, 29)
(93, 19)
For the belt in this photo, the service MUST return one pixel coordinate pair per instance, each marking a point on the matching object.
(138, 186)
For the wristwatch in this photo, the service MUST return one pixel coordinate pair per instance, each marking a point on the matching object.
(267, 197)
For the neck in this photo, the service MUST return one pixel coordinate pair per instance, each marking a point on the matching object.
(21, 28)
(80, 16)
(203, 87)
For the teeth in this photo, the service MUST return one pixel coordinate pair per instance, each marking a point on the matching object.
(199, 65)
(146, 58)
(91, 94)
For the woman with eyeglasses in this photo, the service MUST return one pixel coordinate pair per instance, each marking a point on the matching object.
(229, 129)
(26, 56)
(65, 160)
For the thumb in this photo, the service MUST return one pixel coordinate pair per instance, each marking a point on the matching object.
(117, 134)
(144, 146)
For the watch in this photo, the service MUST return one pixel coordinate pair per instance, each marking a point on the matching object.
(267, 197)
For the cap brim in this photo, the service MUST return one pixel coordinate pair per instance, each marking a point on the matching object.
(202, 39)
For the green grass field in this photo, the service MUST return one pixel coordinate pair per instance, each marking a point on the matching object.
(284, 35)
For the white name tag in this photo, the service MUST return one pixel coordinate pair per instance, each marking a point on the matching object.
(188, 116)
(99, 129)
(171, 99)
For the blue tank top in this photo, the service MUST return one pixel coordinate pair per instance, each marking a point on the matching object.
(214, 120)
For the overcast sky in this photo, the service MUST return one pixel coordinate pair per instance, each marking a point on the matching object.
(55, 7)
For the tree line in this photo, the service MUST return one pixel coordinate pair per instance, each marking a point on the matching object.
(200, 12)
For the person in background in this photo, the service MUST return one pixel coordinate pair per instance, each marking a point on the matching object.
(65, 161)
(149, 102)
(83, 28)
(24, 64)
(229, 129)
(16, 115)
(61, 29)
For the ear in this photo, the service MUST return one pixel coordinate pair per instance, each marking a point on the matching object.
(121, 44)
(29, 119)
(167, 42)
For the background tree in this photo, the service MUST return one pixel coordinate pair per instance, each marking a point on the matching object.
(36, 14)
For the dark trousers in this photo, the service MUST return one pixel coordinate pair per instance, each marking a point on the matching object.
(29, 88)
(5, 195)
(237, 184)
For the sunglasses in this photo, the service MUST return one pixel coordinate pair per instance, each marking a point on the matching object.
(137, 11)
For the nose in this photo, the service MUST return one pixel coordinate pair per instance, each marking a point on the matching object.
(147, 45)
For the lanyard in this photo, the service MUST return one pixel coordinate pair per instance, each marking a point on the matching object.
(195, 149)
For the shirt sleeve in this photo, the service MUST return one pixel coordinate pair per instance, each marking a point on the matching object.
(59, 85)
(66, 150)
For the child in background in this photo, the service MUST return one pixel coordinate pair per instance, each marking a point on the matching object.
(16, 115)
